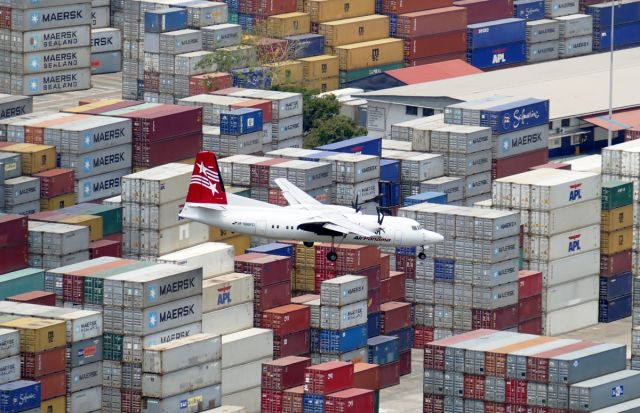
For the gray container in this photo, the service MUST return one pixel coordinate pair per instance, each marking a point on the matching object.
(151, 44)
(52, 82)
(20, 190)
(339, 318)
(450, 185)
(34, 4)
(89, 135)
(357, 354)
(605, 391)
(557, 8)
(9, 343)
(51, 17)
(181, 41)
(191, 402)
(343, 290)
(106, 62)
(491, 275)
(632, 406)
(11, 106)
(558, 396)
(221, 35)
(587, 363)
(284, 104)
(542, 52)
(163, 317)
(111, 399)
(84, 377)
(62, 239)
(521, 141)
(460, 139)
(227, 145)
(12, 164)
(544, 30)
(100, 162)
(84, 352)
(100, 17)
(26, 208)
(575, 25)
(494, 389)
(495, 297)
(111, 373)
(100, 186)
(206, 14)
(49, 61)
(9, 369)
(352, 168)
(183, 353)
(106, 40)
(181, 381)
(575, 46)
(478, 184)
(287, 128)
(186, 64)
(167, 336)
(467, 164)
(85, 401)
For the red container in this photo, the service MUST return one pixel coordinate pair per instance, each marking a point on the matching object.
(272, 50)
(515, 391)
(55, 182)
(13, 231)
(264, 105)
(533, 326)
(553, 165)
(405, 363)
(152, 82)
(284, 373)
(422, 336)
(350, 257)
(530, 307)
(519, 163)
(165, 121)
(293, 400)
(538, 364)
(349, 401)
(393, 288)
(327, 378)
(105, 248)
(305, 298)
(73, 288)
(499, 319)
(35, 365)
(35, 297)
(473, 386)
(586, 3)
(437, 59)
(615, 264)
(272, 296)
(260, 172)
(366, 376)
(373, 301)
(372, 274)
(425, 23)
(14, 258)
(389, 374)
(294, 344)
(130, 401)
(494, 407)
(53, 385)
(486, 10)
(113, 237)
(270, 401)
(385, 266)
(266, 269)
(529, 283)
(514, 408)
(407, 265)
(229, 91)
(433, 404)
(434, 352)
(394, 316)
(435, 44)
(266, 8)
(410, 6)
(207, 83)
(287, 319)
(160, 152)
(323, 275)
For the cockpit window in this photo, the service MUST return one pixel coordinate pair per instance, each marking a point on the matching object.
(415, 227)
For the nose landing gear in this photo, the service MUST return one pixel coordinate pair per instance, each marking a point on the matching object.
(421, 254)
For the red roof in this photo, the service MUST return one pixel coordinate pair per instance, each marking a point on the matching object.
(625, 119)
(433, 71)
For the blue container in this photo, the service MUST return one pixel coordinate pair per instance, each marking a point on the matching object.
(317, 157)
(390, 193)
(19, 396)
(406, 251)
(615, 286)
(529, 10)
(252, 78)
(444, 269)
(405, 338)
(343, 341)
(497, 56)
(373, 325)
(234, 6)
(241, 121)
(626, 12)
(366, 145)
(275, 248)
(431, 197)
(496, 32)
(389, 170)
(383, 349)
(246, 21)
(165, 20)
(314, 340)
(623, 35)
(617, 309)
(305, 45)
(522, 114)
(393, 25)
(313, 403)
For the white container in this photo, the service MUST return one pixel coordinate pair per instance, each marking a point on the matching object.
(61, 239)
(575, 25)
(563, 245)
(287, 128)
(520, 141)
(575, 46)
(543, 30)
(49, 61)
(100, 162)
(191, 402)
(181, 381)
(157, 217)
(285, 104)
(180, 41)
(85, 401)
(364, 191)
(420, 167)
(215, 258)
(106, 40)
(570, 318)
(343, 290)
(467, 164)
(186, 63)
(226, 291)
(571, 293)
(245, 346)
(182, 353)
(340, 318)
(164, 316)
(49, 39)
(99, 186)
(157, 185)
(491, 298)
(211, 105)
(352, 168)
(93, 134)
(172, 334)
(84, 377)
(100, 17)
(228, 320)
(206, 14)
(227, 409)
(172, 239)
(567, 269)
(564, 219)
(450, 185)
(557, 8)
(9, 369)
(221, 35)
(9, 343)
(542, 52)
(250, 399)
(243, 376)
(51, 82)
(477, 184)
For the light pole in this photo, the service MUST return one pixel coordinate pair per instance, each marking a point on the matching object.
(611, 39)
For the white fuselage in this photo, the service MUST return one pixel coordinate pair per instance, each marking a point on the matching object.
(286, 223)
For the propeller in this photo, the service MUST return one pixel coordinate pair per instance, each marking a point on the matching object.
(355, 205)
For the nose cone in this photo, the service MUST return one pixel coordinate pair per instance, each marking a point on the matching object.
(432, 237)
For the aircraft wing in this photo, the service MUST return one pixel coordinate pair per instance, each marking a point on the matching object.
(342, 224)
(294, 195)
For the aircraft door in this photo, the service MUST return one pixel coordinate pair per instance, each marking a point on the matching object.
(397, 239)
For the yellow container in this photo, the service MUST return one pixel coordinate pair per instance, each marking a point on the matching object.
(57, 202)
(327, 10)
(217, 234)
(139, 169)
(94, 222)
(319, 67)
(289, 24)
(367, 54)
(35, 158)
(55, 405)
(323, 85)
(288, 72)
(93, 105)
(304, 279)
(37, 334)
(305, 257)
(616, 241)
(614, 219)
(240, 243)
(355, 30)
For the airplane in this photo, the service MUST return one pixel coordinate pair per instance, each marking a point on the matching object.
(304, 219)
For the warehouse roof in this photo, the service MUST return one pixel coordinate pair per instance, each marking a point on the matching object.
(575, 87)
(434, 71)
(625, 119)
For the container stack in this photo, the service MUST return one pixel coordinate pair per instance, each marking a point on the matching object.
(505, 370)
(53, 245)
(356, 177)
(497, 43)
(576, 35)
(322, 11)
(320, 73)
(14, 229)
(36, 57)
(479, 11)
(56, 188)
(561, 218)
(240, 132)
(542, 40)
(252, 15)
(279, 378)
(396, 322)
(415, 167)
(366, 58)
(215, 258)
(185, 369)
(106, 50)
(616, 244)
(291, 329)
(529, 9)
(227, 305)
(625, 30)
(529, 302)
(10, 358)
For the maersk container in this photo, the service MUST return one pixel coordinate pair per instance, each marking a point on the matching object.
(228, 320)
(9, 369)
(528, 9)
(19, 396)
(183, 353)
(520, 141)
(626, 12)
(181, 41)
(575, 46)
(348, 168)
(343, 290)
(575, 25)
(100, 17)
(103, 161)
(287, 128)
(84, 377)
(106, 40)
(214, 258)
(587, 363)
(623, 35)
(557, 8)
(515, 115)
(452, 186)
(184, 380)
(9, 343)
(604, 391)
(51, 82)
(165, 20)
(305, 45)
(496, 32)
(499, 296)
(106, 62)
(100, 186)
(49, 39)
(497, 56)
(186, 330)
(20, 190)
(163, 317)
(190, 402)
(542, 52)
(221, 35)
(340, 318)
(32, 4)
(241, 121)
(11, 106)
(51, 17)
(543, 31)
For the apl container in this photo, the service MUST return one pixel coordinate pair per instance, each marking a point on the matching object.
(497, 56)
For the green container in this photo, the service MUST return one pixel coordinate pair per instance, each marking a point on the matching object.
(233, 17)
(353, 75)
(616, 194)
(94, 283)
(21, 281)
(112, 346)
(111, 215)
(376, 401)
(521, 259)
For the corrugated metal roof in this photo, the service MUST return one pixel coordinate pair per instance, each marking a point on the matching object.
(575, 87)
(433, 71)
(622, 120)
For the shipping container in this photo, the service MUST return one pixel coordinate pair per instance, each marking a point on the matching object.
(528, 9)
(372, 53)
(191, 402)
(51, 82)
(575, 46)
(540, 52)
(495, 33)
(19, 396)
(324, 11)
(604, 391)
(429, 22)
(180, 381)
(355, 30)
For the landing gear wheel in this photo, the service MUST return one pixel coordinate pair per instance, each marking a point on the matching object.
(308, 244)
(332, 256)
(422, 256)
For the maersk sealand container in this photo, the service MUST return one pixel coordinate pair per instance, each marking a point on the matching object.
(522, 114)
(496, 56)
(623, 35)
(528, 9)
(496, 32)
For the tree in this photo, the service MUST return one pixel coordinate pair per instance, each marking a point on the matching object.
(334, 129)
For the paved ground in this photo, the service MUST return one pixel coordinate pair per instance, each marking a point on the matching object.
(104, 86)
(407, 397)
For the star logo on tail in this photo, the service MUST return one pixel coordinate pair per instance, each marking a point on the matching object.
(206, 177)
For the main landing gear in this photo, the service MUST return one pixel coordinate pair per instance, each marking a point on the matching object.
(332, 255)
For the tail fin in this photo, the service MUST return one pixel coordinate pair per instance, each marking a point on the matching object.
(206, 185)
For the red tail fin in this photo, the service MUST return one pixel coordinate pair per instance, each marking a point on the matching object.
(206, 185)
